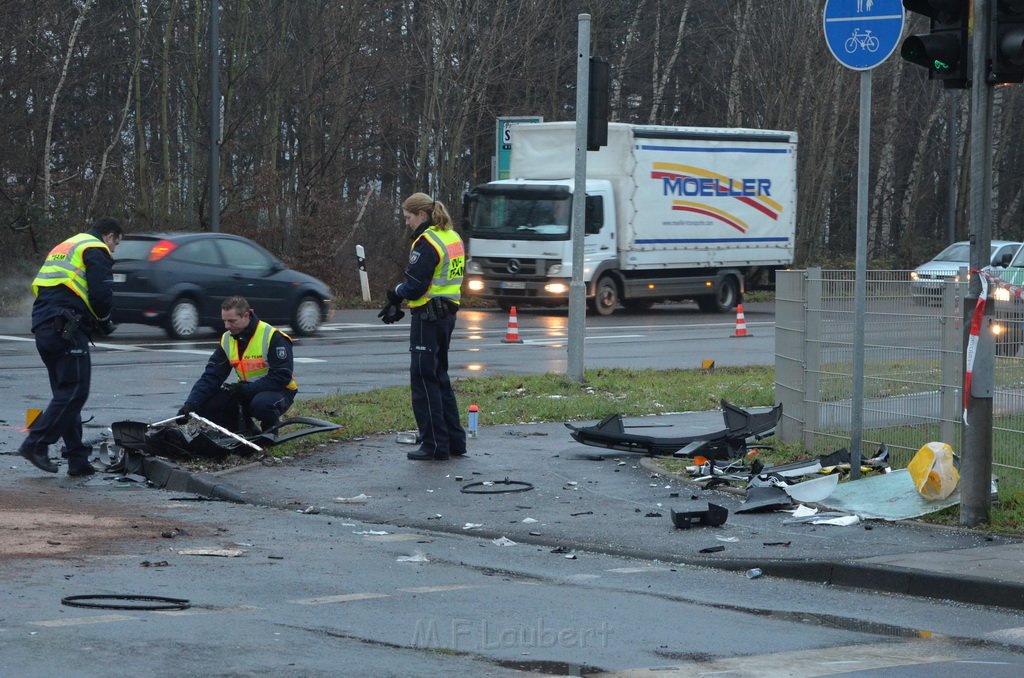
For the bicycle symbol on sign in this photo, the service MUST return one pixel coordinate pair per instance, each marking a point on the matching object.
(861, 41)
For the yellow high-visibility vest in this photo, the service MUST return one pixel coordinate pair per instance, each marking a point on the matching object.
(65, 265)
(252, 364)
(446, 282)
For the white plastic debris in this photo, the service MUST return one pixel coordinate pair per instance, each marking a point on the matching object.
(503, 541)
(416, 557)
(222, 553)
(376, 533)
(358, 499)
(843, 521)
(529, 520)
(472, 526)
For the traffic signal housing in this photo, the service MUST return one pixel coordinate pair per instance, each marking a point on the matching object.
(944, 50)
(597, 109)
(1007, 42)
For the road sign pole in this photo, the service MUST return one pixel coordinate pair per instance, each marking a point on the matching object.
(860, 280)
(861, 36)
(577, 290)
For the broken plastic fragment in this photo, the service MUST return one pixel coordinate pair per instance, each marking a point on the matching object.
(358, 499)
(503, 541)
(472, 526)
(416, 557)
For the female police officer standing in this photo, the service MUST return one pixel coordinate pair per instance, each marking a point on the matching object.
(432, 288)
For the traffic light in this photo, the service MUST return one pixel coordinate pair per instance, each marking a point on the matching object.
(1007, 46)
(944, 50)
(597, 109)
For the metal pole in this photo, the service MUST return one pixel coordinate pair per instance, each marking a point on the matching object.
(860, 285)
(976, 447)
(577, 291)
(951, 169)
(215, 116)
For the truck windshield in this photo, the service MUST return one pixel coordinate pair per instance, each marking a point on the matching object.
(511, 217)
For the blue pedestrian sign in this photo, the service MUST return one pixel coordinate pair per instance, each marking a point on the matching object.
(862, 33)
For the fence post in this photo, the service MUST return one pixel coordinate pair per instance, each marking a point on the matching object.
(950, 398)
(813, 309)
(790, 296)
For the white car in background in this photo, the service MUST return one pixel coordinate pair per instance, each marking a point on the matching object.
(927, 280)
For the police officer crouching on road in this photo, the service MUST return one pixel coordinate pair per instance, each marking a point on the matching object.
(261, 356)
(432, 287)
(74, 291)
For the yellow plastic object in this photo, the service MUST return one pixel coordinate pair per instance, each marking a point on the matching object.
(933, 472)
(30, 416)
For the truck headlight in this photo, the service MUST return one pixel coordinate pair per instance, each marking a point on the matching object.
(475, 285)
(555, 269)
(1001, 294)
(556, 288)
(474, 268)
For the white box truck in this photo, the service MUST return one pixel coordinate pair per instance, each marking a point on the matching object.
(671, 213)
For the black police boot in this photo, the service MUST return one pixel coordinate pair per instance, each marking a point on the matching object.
(420, 455)
(39, 458)
(80, 469)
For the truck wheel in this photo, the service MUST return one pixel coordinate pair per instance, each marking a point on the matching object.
(723, 300)
(606, 296)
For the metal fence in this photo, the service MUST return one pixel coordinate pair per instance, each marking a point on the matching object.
(913, 366)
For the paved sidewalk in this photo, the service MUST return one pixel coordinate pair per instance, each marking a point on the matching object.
(576, 497)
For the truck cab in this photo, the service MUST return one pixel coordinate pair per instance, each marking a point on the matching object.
(521, 239)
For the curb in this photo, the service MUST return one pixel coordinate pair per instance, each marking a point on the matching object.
(881, 578)
(168, 476)
(887, 578)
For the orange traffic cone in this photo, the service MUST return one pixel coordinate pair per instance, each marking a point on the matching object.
(741, 323)
(512, 333)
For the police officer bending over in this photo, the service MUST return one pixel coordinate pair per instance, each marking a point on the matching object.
(261, 357)
(74, 292)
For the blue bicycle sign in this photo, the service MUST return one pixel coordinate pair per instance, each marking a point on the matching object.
(861, 34)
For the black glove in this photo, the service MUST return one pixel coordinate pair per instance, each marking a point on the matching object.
(391, 314)
(106, 327)
(234, 389)
(184, 411)
(393, 298)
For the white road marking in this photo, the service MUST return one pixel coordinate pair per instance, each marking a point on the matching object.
(441, 588)
(208, 610)
(803, 663)
(343, 598)
(8, 337)
(639, 570)
(75, 621)
(394, 537)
